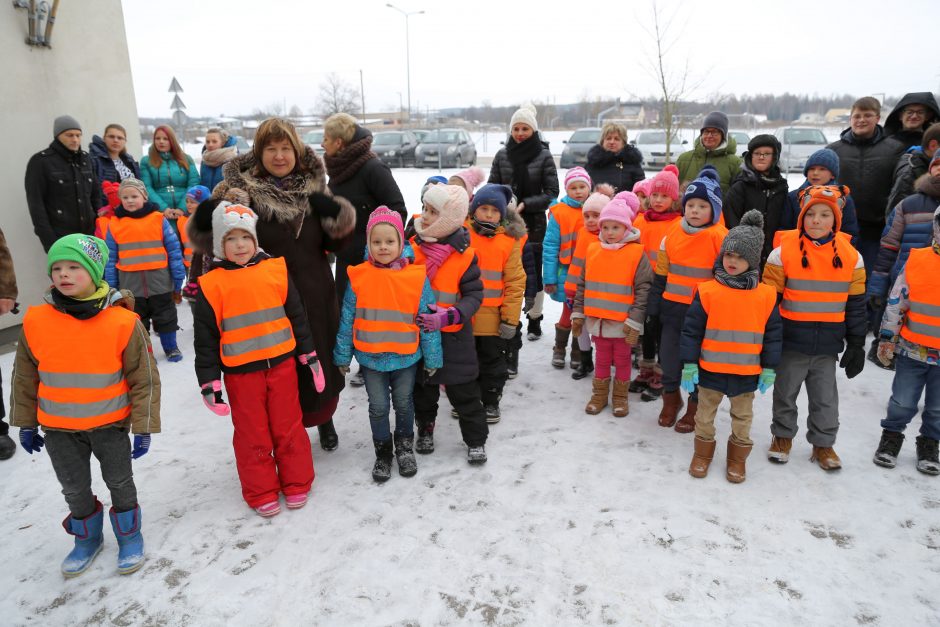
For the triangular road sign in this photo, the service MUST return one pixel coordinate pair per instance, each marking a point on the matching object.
(177, 103)
(175, 86)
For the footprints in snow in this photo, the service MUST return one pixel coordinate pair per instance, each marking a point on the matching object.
(842, 540)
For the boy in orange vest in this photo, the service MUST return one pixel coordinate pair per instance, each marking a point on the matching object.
(821, 280)
(249, 322)
(378, 326)
(611, 300)
(84, 370)
(145, 258)
(731, 343)
(686, 258)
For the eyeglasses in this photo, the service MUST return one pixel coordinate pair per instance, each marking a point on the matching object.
(915, 113)
(762, 155)
(115, 137)
(711, 131)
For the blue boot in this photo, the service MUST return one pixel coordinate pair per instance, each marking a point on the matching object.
(170, 348)
(88, 541)
(126, 527)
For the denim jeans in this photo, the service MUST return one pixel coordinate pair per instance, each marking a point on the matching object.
(911, 378)
(401, 383)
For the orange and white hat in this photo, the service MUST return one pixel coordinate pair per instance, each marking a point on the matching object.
(226, 218)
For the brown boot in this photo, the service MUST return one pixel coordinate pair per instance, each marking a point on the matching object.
(619, 401)
(575, 353)
(561, 345)
(737, 456)
(779, 451)
(672, 403)
(826, 457)
(599, 393)
(702, 457)
(686, 424)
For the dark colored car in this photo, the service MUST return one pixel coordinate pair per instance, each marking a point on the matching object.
(577, 146)
(395, 148)
(449, 147)
(422, 134)
(314, 139)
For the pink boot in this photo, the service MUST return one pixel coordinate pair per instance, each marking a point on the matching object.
(295, 501)
(269, 509)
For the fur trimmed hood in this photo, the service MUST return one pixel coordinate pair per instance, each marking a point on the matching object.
(514, 225)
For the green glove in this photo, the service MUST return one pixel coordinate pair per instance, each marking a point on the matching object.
(766, 379)
(689, 377)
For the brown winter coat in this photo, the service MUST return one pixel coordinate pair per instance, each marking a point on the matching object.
(7, 276)
(287, 228)
(140, 371)
(487, 319)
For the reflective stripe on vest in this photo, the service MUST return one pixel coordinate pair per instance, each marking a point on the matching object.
(585, 239)
(691, 259)
(492, 257)
(818, 292)
(734, 329)
(652, 233)
(570, 220)
(922, 321)
(184, 240)
(608, 280)
(387, 302)
(446, 283)
(139, 242)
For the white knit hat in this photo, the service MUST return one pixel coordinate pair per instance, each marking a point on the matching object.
(228, 217)
(525, 114)
(452, 202)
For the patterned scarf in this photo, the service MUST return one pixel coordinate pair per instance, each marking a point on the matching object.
(344, 164)
(747, 280)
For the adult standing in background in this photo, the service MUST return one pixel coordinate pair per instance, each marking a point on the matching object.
(613, 160)
(168, 172)
(218, 150)
(911, 116)
(912, 165)
(62, 192)
(712, 147)
(109, 156)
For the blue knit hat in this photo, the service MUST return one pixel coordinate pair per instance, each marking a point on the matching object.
(824, 158)
(707, 186)
(198, 193)
(492, 194)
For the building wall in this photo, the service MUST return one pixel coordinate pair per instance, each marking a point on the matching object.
(86, 74)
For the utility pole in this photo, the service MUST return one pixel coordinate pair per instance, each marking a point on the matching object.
(407, 14)
(179, 118)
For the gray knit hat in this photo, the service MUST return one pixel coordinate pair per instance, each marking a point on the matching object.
(136, 184)
(64, 123)
(716, 119)
(746, 239)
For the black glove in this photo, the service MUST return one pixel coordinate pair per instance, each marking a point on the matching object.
(323, 205)
(853, 360)
(876, 303)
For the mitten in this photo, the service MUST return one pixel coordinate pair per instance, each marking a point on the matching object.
(31, 440)
(212, 398)
(550, 288)
(141, 445)
(577, 325)
(853, 360)
(323, 205)
(886, 352)
(311, 360)
(766, 379)
(689, 377)
(507, 331)
(438, 319)
(191, 290)
(631, 335)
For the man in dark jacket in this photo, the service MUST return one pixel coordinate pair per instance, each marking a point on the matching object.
(912, 165)
(911, 116)
(62, 191)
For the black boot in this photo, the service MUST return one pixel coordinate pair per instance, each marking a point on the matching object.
(382, 469)
(534, 329)
(7, 446)
(928, 461)
(512, 354)
(405, 454)
(873, 356)
(328, 438)
(425, 441)
(888, 449)
(586, 366)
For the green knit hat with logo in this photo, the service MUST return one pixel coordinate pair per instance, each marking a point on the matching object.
(88, 250)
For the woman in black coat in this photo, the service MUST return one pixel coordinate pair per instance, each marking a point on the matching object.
(109, 157)
(614, 161)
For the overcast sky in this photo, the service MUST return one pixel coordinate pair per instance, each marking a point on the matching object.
(233, 56)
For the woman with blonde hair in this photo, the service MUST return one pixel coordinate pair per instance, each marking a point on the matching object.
(613, 161)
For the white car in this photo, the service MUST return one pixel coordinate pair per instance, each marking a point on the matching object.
(652, 144)
(797, 143)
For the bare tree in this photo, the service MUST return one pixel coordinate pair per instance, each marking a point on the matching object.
(337, 96)
(295, 112)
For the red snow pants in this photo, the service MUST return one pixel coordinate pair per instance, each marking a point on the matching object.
(272, 449)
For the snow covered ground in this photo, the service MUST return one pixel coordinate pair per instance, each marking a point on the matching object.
(575, 520)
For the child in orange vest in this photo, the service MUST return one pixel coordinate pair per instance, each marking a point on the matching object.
(105, 213)
(663, 210)
(564, 222)
(610, 300)
(378, 326)
(497, 234)
(730, 345)
(145, 257)
(686, 258)
(642, 191)
(249, 322)
(84, 370)
(821, 279)
(442, 246)
(469, 179)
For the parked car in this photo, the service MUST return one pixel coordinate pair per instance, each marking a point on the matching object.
(395, 147)
(422, 134)
(741, 139)
(449, 147)
(653, 146)
(577, 146)
(797, 144)
(314, 139)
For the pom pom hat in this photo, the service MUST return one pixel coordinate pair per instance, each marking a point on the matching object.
(706, 186)
(226, 218)
(746, 239)
(525, 115)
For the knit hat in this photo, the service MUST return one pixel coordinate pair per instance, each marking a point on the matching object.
(717, 119)
(471, 177)
(831, 195)
(452, 203)
(431, 182)
(665, 182)
(746, 239)
(764, 141)
(131, 182)
(632, 202)
(88, 250)
(198, 193)
(621, 209)
(492, 194)
(595, 202)
(526, 115)
(706, 186)
(578, 174)
(384, 215)
(64, 123)
(228, 217)
(643, 187)
(825, 158)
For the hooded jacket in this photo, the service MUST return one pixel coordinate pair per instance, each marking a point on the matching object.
(102, 164)
(765, 192)
(912, 165)
(894, 126)
(621, 169)
(724, 158)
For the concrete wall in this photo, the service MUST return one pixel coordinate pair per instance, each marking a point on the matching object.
(86, 74)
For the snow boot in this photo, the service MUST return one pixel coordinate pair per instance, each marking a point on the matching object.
(382, 470)
(888, 449)
(654, 388)
(737, 456)
(126, 527)
(575, 354)
(779, 451)
(534, 329)
(642, 380)
(561, 345)
(170, 348)
(512, 369)
(405, 455)
(425, 442)
(329, 441)
(88, 541)
(600, 390)
(686, 424)
(7, 447)
(476, 455)
(619, 399)
(672, 403)
(586, 366)
(702, 457)
(492, 413)
(826, 457)
(927, 456)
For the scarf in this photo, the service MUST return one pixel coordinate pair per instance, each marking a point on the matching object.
(219, 156)
(435, 255)
(692, 230)
(747, 280)
(83, 308)
(571, 202)
(661, 216)
(397, 264)
(344, 164)
(630, 236)
(520, 155)
(486, 229)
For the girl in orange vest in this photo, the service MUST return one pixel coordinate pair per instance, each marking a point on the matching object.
(84, 370)
(821, 281)
(145, 258)
(731, 343)
(194, 260)
(378, 326)
(442, 246)
(249, 322)
(610, 300)
(497, 234)
(663, 210)
(686, 258)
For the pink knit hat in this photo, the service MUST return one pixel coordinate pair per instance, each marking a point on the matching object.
(595, 202)
(666, 182)
(471, 177)
(632, 202)
(642, 187)
(384, 215)
(578, 174)
(617, 210)
(452, 202)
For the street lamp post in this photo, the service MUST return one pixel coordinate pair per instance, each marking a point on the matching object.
(407, 14)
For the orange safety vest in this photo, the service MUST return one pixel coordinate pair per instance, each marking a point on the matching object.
(691, 259)
(922, 322)
(81, 366)
(585, 238)
(446, 283)
(101, 226)
(139, 242)
(249, 311)
(570, 220)
(652, 234)
(386, 304)
(608, 281)
(778, 236)
(184, 240)
(734, 332)
(492, 255)
(819, 292)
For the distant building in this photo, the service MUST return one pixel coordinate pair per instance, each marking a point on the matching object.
(629, 114)
(838, 116)
(810, 118)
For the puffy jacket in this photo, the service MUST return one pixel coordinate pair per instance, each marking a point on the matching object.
(553, 271)
(767, 194)
(210, 176)
(724, 158)
(541, 169)
(912, 165)
(894, 127)
(791, 211)
(621, 169)
(487, 319)
(103, 165)
(167, 184)
(147, 282)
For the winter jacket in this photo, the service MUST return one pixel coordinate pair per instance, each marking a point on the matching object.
(724, 158)
(210, 176)
(542, 169)
(912, 165)
(791, 211)
(7, 275)
(167, 184)
(207, 335)
(621, 169)
(767, 194)
(103, 165)
(288, 227)
(909, 226)
(146, 283)
(553, 271)
(866, 166)
(894, 127)
(62, 193)
(139, 370)
(487, 319)
(899, 303)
